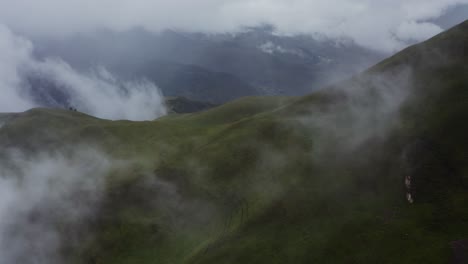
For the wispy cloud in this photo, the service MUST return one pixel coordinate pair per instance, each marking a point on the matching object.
(96, 92)
(46, 198)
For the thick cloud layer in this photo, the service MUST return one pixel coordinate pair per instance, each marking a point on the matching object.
(384, 25)
(96, 92)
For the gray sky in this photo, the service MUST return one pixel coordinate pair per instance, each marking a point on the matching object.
(383, 25)
(453, 16)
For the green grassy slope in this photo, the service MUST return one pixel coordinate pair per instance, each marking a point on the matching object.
(317, 179)
(351, 208)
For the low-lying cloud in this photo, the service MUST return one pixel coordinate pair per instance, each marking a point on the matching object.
(381, 25)
(368, 107)
(46, 200)
(27, 82)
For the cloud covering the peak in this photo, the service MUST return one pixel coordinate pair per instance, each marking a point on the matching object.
(382, 25)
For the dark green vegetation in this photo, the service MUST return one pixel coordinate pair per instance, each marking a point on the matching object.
(316, 179)
(182, 105)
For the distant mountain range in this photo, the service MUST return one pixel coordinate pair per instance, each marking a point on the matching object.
(216, 67)
(373, 169)
(252, 147)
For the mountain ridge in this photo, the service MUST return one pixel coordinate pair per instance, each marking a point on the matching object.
(321, 178)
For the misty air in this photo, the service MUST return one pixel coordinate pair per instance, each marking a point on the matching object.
(249, 131)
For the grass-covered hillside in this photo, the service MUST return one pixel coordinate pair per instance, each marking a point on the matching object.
(370, 170)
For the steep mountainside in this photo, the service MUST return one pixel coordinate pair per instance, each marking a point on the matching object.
(370, 170)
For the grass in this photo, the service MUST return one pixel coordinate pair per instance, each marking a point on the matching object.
(266, 180)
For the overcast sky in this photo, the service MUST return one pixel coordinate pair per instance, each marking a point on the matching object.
(384, 25)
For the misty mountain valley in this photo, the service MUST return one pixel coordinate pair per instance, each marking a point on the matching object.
(135, 132)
